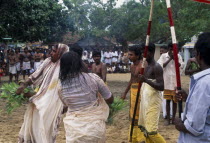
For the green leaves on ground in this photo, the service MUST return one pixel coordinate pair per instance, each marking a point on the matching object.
(12, 100)
(115, 107)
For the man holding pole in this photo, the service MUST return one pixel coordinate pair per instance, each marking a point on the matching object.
(151, 98)
(134, 55)
(194, 126)
(167, 62)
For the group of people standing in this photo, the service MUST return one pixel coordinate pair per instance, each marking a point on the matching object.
(64, 83)
(24, 63)
(116, 61)
(159, 82)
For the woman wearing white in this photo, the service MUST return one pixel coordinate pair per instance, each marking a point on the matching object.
(87, 110)
(43, 114)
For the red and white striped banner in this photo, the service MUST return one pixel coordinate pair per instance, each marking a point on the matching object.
(203, 1)
(175, 50)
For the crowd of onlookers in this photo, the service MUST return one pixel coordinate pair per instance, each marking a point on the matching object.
(116, 61)
(18, 61)
(24, 61)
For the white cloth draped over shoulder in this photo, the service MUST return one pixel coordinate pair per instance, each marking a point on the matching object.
(43, 114)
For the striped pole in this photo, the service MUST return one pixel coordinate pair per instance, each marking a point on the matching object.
(142, 69)
(174, 42)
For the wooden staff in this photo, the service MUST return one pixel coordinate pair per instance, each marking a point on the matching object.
(174, 42)
(142, 69)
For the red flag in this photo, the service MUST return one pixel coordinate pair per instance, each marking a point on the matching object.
(203, 1)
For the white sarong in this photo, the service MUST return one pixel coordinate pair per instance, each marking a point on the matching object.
(18, 66)
(87, 125)
(12, 69)
(43, 114)
(36, 65)
(26, 65)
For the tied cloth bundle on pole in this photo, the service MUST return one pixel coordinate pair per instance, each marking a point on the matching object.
(142, 69)
(203, 1)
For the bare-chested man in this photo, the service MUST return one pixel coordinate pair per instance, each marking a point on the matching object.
(12, 65)
(98, 67)
(38, 56)
(25, 63)
(18, 58)
(151, 98)
(134, 55)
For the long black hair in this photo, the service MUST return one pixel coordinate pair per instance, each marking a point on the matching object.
(71, 66)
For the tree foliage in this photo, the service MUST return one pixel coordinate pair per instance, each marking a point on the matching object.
(129, 22)
(33, 20)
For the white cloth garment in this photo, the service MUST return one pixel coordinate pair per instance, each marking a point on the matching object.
(87, 125)
(43, 114)
(169, 73)
(26, 65)
(12, 69)
(18, 66)
(36, 65)
(114, 57)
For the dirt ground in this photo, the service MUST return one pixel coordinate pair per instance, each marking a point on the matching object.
(116, 133)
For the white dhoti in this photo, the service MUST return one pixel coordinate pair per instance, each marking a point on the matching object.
(26, 65)
(36, 65)
(12, 69)
(87, 125)
(18, 66)
(108, 61)
(114, 60)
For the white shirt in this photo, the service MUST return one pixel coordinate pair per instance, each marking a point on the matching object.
(114, 56)
(169, 73)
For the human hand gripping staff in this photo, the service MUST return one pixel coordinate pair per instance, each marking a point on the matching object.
(142, 69)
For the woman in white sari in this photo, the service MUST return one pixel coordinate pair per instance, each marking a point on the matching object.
(43, 114)
(87, 110)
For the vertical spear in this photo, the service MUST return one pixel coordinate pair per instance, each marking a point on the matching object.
(142, 69)
(174, 42)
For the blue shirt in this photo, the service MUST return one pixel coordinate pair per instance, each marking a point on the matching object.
(196, 115)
